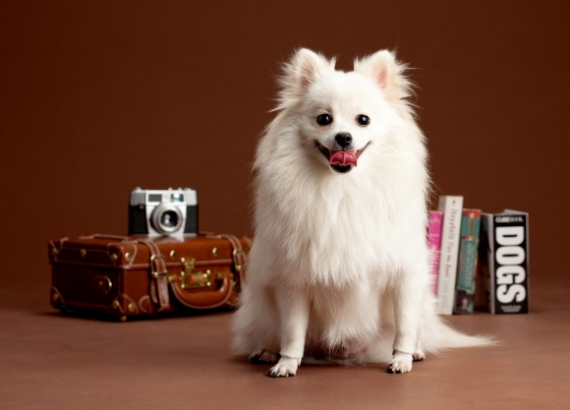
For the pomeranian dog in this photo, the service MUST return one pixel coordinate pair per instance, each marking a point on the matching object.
(339, 268)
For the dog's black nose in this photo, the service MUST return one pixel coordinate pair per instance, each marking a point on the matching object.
(343, 139)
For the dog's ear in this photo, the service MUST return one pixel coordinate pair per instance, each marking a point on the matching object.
(304, 68)
(383, 68)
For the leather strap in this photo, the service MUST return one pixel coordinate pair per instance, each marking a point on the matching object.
(239, 254)
(159, 281)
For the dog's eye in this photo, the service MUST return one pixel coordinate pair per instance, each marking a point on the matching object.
(363, 120)
(324, 119)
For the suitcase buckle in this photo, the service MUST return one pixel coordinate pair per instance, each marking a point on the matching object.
(191, 278)
(239, 259)
(158, 265)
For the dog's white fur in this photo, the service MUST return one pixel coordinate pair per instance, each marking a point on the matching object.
(339, 263)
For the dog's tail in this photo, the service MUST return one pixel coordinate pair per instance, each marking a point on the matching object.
(435, 336)
(438, 335)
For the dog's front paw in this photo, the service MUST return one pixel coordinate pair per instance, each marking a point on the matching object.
(263, 356)
(285, 367)
(401, 363)
(419, 355)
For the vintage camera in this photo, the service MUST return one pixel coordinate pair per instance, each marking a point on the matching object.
(167, 212)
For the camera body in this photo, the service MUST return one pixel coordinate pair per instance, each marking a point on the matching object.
(163, 212)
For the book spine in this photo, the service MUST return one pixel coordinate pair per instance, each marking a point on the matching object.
(434, 245)
(451, 206)
(509, 273)
(485, 264)
(467, 264)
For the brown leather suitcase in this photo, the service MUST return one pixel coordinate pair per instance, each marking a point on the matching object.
(128, 276)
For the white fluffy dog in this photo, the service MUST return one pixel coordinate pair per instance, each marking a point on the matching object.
(339, 265)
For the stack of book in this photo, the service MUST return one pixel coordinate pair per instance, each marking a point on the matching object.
(478, 259)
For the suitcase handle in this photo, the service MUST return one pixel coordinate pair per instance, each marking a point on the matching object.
(203, 299)
(225, 295)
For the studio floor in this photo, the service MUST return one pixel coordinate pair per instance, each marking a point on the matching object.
(50, 361)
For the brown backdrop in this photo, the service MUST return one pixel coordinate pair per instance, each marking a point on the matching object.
(99, 97)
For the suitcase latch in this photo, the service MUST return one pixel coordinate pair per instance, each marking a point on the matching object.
(192, 278)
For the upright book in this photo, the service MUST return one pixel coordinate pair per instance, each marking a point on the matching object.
(434, 245)
(504, 263)
(467, 265)
(451, 206)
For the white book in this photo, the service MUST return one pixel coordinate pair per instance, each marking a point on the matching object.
(452, 208)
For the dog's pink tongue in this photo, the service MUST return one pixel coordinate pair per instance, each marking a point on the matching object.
(343, 158)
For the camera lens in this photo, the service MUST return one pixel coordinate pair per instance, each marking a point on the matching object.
(169, 219)
(166, 219)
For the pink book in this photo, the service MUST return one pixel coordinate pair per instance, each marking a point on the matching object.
(435, 224)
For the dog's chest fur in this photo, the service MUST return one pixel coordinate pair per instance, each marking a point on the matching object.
(334, 229)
